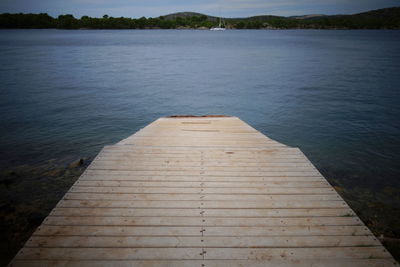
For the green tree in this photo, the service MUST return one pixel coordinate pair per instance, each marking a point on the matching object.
(67, 22)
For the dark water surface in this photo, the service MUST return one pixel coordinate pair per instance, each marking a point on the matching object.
(66, 94)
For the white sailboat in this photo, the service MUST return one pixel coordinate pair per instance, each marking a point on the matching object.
(219, 28)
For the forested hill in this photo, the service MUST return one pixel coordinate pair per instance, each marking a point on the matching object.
(387, 18)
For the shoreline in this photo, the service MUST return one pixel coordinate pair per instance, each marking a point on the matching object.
(197, 29)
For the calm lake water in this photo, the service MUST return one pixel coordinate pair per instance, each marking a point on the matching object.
(335, 94)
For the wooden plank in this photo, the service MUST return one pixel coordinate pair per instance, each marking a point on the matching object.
(124, 163)
(203, 190)
(200, 178)
(201, 204)
(185, 149)
(210, 263)
(305, 184)
(204, 138)
(212, 144)
(200, 221)
(196, 197)
(216, 161)
(342, 212)
(204, 173)
(211, 173)
(288, 230)
(298, 253)
(211, 157)
(196, 253)
(170, 170)
(180, 150)
(199, 241)
(109, 230)
(197, 151)
(109, 254)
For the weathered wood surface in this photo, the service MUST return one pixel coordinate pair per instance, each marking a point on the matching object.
(208, 192)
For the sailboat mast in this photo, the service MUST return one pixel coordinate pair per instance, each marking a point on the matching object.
(220, 22)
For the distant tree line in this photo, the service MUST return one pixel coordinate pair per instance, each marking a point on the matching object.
(379, 19)
(41, 21)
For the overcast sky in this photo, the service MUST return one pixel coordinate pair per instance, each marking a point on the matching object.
(224, 8)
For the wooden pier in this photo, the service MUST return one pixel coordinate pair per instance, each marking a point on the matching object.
(202, 192)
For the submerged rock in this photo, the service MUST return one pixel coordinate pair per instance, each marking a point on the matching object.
(8, 178)
(77, 163)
